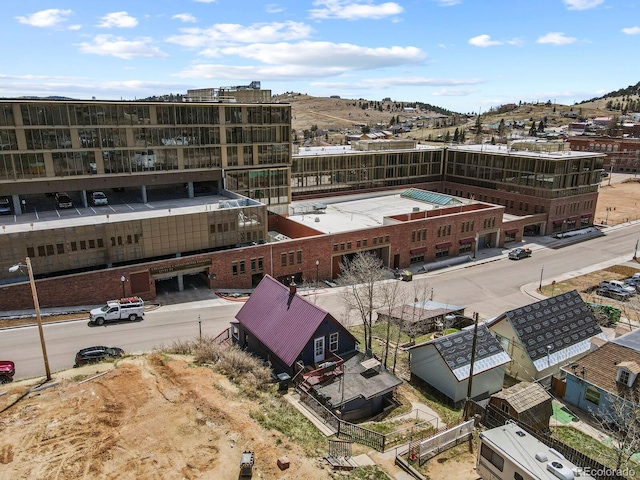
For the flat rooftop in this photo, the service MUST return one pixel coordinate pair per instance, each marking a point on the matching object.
(521, 151)
(360, 211)
(116, 212)
(347, 149)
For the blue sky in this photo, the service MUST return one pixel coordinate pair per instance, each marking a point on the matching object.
(464, 55)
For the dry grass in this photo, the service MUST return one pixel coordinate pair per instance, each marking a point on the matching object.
(244, 369)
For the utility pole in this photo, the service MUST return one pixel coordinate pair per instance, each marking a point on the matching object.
(467, 405)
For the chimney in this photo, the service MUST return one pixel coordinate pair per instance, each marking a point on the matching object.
(292, 287)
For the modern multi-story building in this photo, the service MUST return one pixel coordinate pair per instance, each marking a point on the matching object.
(241, 154)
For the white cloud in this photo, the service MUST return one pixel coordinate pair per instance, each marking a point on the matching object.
(118, 47)
(582, 4)
(556, 38)
(184, 17)
(305, 60)
(75, 27)
(631, 30)
(343, 56)
(273, 8)
(230, 33)
(353, 10)
(45, 18)
(118, 20)
(447, 3)
(483, 41)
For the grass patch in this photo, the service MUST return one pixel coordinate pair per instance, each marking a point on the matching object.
(247, 371)
(276, 414)
(593, 448)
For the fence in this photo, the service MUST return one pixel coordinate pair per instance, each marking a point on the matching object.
(379, 441)
(442, 439)
(495, 418)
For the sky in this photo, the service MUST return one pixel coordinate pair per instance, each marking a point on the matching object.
(463, 55)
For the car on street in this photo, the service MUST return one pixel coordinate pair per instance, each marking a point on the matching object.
(7, 371)
(518, 253)
(99, 198)
(97, 354)
(63, 200)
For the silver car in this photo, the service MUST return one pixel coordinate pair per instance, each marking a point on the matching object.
(99, 198)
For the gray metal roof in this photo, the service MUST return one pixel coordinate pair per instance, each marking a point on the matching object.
(630, 340)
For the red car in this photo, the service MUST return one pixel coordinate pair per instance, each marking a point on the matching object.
(7, 370)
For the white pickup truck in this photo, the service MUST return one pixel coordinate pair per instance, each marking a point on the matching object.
(130, 308)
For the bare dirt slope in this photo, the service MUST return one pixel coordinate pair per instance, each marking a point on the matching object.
(149, 418)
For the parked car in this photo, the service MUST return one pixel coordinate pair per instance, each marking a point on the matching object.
(633, 282)
(97, 354)
(99, 198)
(7, 370)
(5, 206)
(620, 285)
(63, 200)
(518, 253)
(613, 292)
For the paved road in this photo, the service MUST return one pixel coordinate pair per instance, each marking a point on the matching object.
(489, 288)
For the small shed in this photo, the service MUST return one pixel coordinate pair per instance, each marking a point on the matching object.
(527, 402)
(421, 317)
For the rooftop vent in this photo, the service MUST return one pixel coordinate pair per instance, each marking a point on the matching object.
(560, 471)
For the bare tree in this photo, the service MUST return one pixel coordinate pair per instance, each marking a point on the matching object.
(362, 276)
(418, 314)
(394, 296)
(621, 421)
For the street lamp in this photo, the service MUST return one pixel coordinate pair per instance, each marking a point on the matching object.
(317, 265)
(36, 304)
(123, 280)
(467, 405)
(541, 272)
(200, 327)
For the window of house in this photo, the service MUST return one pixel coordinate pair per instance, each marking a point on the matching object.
(83, 244)
(234, 268)
(504, 406)
(592, 395)
(41, 251)
(92, 243)
(358, 243)
(335, 247)
(283, 260)
(299, 255)
(413, 236)
(333, 342)
(624, 377)
(291, 258)
(235, 331)
(253, 264)
(74, 245)
(493, 458)
(31, 252)
(242, 267)
(101, 243)
(49, 250)
(60, 248)
(260, 264)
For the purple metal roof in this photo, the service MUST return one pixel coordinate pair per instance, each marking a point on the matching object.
(284, 323)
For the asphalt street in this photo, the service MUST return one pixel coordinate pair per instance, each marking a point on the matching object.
(490, 285)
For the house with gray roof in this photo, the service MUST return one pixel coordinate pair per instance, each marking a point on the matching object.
(287, 330)
(543, 336)
(445, 364)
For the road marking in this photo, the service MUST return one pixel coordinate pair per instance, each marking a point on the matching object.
(149, 206)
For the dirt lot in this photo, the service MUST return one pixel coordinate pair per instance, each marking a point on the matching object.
(149, 417)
